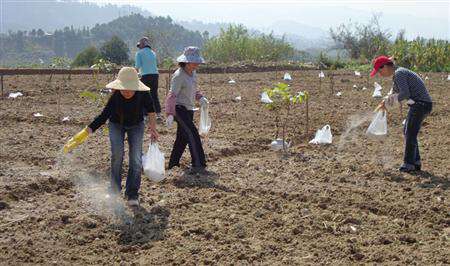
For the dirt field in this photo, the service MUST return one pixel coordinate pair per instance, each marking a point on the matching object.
(343, 203)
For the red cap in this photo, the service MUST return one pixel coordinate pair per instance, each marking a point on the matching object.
(379, 62)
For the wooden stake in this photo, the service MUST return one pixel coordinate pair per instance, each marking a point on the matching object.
(210, 86)
(307, 115)
(332, 83)
(2, 87)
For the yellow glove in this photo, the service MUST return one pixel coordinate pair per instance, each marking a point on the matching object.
(76, 140)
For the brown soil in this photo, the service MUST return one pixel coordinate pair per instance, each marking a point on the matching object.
(343, 203)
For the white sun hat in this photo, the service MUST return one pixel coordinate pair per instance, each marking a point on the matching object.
(191, 54)
(127, 79)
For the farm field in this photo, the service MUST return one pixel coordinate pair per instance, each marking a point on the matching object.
(343, 203)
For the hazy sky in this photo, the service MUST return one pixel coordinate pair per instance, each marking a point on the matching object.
(425, 18)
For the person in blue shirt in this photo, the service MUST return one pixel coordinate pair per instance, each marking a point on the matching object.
(146, 64)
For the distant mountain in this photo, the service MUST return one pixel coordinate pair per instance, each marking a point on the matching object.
(295, 28)
(213, 29)
(50, 15)
(34, 46)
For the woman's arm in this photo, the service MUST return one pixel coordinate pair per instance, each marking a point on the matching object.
(171, 99)
(101, 119)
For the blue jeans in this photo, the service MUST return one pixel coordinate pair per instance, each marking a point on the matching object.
(417, 113)
(135, 138)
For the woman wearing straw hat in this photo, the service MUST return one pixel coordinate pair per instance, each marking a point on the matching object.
(125, 111)
(145, 63)
(180, 104)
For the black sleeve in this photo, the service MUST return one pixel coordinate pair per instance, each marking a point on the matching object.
(148, 102)
(101, 119)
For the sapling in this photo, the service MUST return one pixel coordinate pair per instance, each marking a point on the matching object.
(101, 65)
(283, 101)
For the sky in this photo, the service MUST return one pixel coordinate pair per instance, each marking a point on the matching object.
(421, 17)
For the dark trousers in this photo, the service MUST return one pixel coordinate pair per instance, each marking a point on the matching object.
(151, 81)
(417, 113)
(187, 134)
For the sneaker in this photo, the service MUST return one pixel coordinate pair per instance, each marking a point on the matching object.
(133, 203)
(407, 168)
(197, 170)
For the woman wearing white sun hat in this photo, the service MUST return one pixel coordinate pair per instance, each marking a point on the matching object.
(125, 111)
(180, 103)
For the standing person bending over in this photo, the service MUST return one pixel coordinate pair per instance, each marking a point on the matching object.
(410, 87)
(125, 111)
(180, 104)
(146, 63)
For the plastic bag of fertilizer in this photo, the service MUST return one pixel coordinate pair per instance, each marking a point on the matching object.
(15, 94)
(265, 98)
(323, 136)
(378, 126)
(377, 91)
(277, 144)
(321, 74)
(205, 121)
(287, 77)
(153, 163)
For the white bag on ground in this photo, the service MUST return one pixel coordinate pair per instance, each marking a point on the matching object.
(205, 121)
(287, 77)
(153, 163)
(377, 90)
(277, 144)
(378, 126)
(321, 74)
(265, 98)
(323, 136)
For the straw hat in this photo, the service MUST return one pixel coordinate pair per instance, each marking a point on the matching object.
(127, 79)
(191, 54)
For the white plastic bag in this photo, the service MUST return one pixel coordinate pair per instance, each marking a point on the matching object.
(15, 94)
(287, 77)
(278, 144)
(231, 81)
(338, 93)
(153, 163)
(448, 78)
(265, 98)
(323, 136)
(205, 121)
(378, 126)
(377, 90)
(321, 74)
(357, 73)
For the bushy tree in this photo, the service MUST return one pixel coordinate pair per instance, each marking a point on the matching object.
(362, 41)
(115, 51)
(87, 57)
(236, 44)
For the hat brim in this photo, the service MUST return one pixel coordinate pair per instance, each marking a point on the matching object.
(132, 86)
(191, 59)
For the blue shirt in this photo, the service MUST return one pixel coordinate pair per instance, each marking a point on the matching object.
(146, 61)
(409, 85)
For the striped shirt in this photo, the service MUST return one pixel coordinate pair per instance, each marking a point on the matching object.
(409, 85)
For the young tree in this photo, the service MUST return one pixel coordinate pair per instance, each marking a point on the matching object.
(283, 100)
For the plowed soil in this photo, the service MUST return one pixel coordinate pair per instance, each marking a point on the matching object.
(343, 203)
